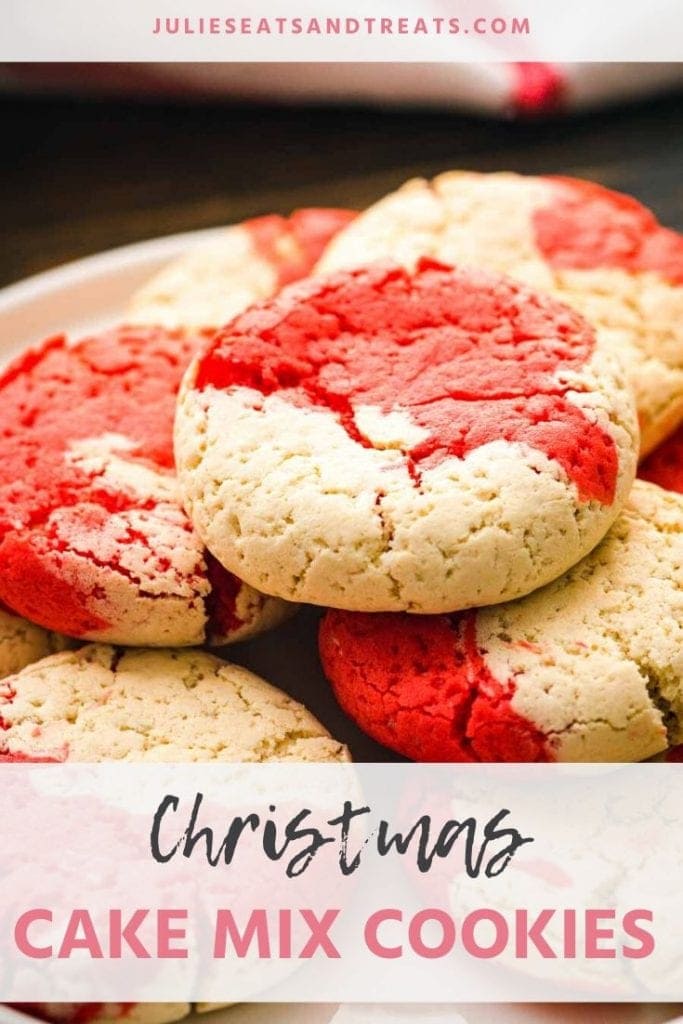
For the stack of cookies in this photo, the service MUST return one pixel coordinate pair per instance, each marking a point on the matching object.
(426, 419)
(99, 561)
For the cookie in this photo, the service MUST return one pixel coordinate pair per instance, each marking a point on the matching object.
(590, 668)
(251, 261)
(101, 703)
(599, 251)
(106, 704)
(22, 642)
(665, 465)
(94, 542)
(104, 1013)
(393, 440)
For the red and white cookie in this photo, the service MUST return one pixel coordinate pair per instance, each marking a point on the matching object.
(251, 261)
(388, 440)
(590, 668)
(94, 542)
(101, 703)
(665, 465)
(107, 1013)
(23, 642)
(599, 251)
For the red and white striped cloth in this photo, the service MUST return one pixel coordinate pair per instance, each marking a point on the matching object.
(493, 88)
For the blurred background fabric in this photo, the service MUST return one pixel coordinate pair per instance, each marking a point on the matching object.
(499, 89)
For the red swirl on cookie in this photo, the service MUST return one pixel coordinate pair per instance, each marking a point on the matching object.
(587, 227)
(419, 685)
(93, 539)
(293, 245)
(665, 465)
(470, 358)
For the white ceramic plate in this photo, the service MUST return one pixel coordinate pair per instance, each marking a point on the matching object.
(93, 293)
(85, 295)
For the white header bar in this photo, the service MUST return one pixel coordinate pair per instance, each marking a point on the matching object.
(342, 30)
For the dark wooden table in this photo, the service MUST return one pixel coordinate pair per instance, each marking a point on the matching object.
(81, 177)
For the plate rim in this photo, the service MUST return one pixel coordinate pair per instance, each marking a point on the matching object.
(102, 262)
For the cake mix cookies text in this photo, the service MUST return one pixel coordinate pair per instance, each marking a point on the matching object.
(389, 933)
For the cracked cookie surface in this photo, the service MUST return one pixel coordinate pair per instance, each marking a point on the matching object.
(248, 262)
(94, 542)
(22, 642)
(601, 252)
(589, 668)
(102, 703)
(388, 440)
